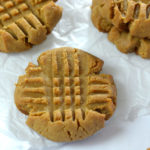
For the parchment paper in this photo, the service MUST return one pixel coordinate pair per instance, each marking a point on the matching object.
(128, 129)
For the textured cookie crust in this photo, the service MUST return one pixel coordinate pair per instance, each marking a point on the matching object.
(24, 23)
(64, 96)
(127, 22)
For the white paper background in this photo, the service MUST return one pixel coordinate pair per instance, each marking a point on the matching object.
(128, 129)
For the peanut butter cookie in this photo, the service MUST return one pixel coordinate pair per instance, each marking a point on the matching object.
(127, 22)
(24, 23)
(64, 96)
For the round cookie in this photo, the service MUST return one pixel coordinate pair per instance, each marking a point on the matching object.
(129, 18)
(24, 23)
(64, 96)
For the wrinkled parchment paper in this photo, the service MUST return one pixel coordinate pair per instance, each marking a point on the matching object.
(128, 129)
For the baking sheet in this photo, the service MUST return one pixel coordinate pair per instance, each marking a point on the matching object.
(128, 129)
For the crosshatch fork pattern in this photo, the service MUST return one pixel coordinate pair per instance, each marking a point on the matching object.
(59, 88)
(66, 87)
(66, 81)
(11, 10)
(26, 22)
(65, 97)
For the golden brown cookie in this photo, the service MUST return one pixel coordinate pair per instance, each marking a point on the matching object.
(24, 23)
(127, 43)
(64, 96)
(127, 21)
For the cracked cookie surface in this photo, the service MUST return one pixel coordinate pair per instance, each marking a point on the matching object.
(24, 23)
(64, 96)
(129, 20)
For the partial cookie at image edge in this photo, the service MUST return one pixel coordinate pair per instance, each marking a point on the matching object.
(126, 24)
(26, 23)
